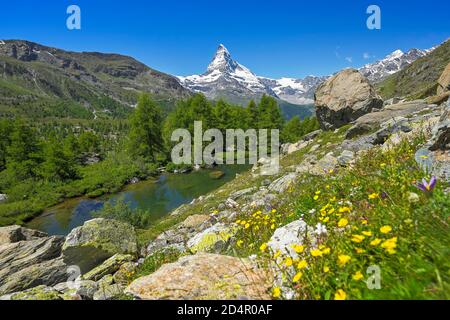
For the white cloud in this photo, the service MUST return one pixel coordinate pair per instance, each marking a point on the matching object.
(349, 59)
(366, 55)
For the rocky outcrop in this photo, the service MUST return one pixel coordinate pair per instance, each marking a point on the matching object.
(97, 240)
(3, 197)
(48, 273)
(282, 184)
(213, 239)
(203, 277)
(444, 81)
(344, 98)
(388, 117)
(110, 266)
(13, 234)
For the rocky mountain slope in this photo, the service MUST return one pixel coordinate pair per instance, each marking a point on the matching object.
(419, 79)
(37, 78)
(391, 64)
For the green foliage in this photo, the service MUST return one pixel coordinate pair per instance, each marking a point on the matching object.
(59, 161)
(295, 128)
(145, 138)
(120, 210)
(22, 153)
(153, 262)
(87, 142)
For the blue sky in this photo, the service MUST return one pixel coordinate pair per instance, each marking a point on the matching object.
(273, 38)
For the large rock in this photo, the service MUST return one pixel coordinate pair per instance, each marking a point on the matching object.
(97, 240)
(20, 255)
(13, 234)
(390, 114)
(444, 81)
(48, 273)
(441, 132)
(344, 98)
(202, 277)
(3, 197)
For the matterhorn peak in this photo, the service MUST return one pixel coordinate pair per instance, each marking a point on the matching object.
(222, 61)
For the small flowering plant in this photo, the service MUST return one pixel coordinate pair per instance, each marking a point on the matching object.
(426, 186)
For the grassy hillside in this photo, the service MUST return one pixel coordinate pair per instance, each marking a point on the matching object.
(40, 81)
(419, 79)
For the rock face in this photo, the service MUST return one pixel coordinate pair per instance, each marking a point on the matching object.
(344, 98)
(201, 277)
(392, 113)
(214, 238)
(444, 81)
(13, 234)
(97, 240)
(110, 266)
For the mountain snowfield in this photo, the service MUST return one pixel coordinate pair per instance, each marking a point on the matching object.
(226, 78)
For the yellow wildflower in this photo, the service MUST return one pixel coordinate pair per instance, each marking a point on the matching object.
(298, 248)
(326, 250)
(359, 250)
(247, 225)
(276, 293)
(239, 243)
(288, 262)
(357, 238)
(297, 277)
(357, 276)
(272, 226)
(375, 242)
(326, 269)
(386, 229)
(373, 196)
(263, 247)
(340, 295)
(390, 245)
(302, 264)
(367, 233)
(316, 197)
(316, 253)
(343, 259)
(277, 254)
(342, 223)
(344, 209)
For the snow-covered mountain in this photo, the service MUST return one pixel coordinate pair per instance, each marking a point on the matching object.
(295, 91)
(391, 64)
(228, 79)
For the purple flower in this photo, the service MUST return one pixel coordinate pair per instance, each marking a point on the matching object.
(427, 187)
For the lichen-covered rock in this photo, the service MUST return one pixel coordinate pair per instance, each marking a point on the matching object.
(20, 255)
(344, 98)
(47, 273)
(282, 184)
(109, 266)
(125, 273)
(109, 292)
(38, 293)
(213, 239)
(202, 277)
(97, 240)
